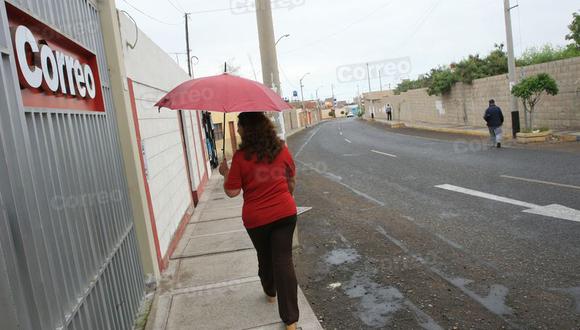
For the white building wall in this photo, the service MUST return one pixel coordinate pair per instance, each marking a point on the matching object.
(200, 146)
(153, 74)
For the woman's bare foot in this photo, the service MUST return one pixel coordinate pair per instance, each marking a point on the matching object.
(291, 326)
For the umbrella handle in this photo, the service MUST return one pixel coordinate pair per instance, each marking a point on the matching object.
(225, 133)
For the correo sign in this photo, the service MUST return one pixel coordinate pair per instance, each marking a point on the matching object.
(53, 70)
(57, 72)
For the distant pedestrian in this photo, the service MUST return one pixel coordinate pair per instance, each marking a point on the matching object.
(494, 118)
(264, 169)
(389, 111)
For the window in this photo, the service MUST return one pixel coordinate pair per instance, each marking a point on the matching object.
(218, 131)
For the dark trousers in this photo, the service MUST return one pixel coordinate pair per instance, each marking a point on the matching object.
(273, 244)
(389, 116)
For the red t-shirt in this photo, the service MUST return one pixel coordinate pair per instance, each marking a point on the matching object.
(266, 194)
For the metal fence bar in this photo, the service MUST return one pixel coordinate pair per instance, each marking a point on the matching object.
(84, 249)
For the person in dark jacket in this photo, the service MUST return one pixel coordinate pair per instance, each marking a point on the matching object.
(494, 118)
(389, 111)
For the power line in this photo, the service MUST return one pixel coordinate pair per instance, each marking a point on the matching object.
(336, 32)
(149, 16)
(421, 22)
(206, 11)
(180, 9)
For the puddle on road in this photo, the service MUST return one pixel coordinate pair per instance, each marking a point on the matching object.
(494, 302)
(378, 304)
(572, 292)
(342, 256)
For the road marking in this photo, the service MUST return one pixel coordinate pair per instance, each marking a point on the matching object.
(303, 209)
(306, 142)
(495, 302)
(340, 133)
(553, 211)
(384, 153)
(540, 181)
(487, 196)
(338, 179)
(347, 140)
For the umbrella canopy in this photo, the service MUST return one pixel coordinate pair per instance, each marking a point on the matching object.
(223, 93)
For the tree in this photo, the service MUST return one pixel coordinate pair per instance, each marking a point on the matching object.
(530, 90)
(497, 61)
(442, 80)
(470, 69)
(574, 31)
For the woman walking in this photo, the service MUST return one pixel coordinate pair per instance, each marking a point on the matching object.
(264, 169)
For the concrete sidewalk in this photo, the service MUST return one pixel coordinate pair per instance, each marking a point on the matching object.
(212, 282)
(564, 136)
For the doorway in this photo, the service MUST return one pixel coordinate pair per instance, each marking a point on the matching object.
(233, 136)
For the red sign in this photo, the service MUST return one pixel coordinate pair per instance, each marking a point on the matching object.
(54, 71)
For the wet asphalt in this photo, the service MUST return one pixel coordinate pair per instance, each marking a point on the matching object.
(384, 247)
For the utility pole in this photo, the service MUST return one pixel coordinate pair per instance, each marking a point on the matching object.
(182, 121)
(380, 80)
(359, 98)
(269, 57)
(332, 89)
(369, 77)
(187, 43)
(302, 94)
(511, 57)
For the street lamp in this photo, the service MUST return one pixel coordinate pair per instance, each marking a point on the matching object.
(319, 87)
(277, 77)
(302, 93)
(282, 37)
(318, 107)
(192, 64)
(302, 89)
(317, 98)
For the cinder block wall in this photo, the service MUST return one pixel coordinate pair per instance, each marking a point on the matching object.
(154, 73)
(466, 103)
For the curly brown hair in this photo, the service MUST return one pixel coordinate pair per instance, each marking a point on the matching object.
(259, 137)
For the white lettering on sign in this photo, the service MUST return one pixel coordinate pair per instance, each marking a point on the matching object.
(58, 72)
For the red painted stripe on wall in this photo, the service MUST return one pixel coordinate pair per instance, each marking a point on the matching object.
(147, 190)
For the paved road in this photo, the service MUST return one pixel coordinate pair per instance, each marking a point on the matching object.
(436, 231)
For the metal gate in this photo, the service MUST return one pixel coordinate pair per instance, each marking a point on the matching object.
(68, 252)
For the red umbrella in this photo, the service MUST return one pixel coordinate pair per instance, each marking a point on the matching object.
(224, 93)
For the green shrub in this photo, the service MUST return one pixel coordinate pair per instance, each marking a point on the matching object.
(574, 31)
(531, 89)
(547, 53)
(442, 80)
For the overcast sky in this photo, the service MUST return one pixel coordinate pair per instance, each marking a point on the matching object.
(328, 34)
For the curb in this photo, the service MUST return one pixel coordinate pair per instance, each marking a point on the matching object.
(435, 129)
(451, 130)
(567, 137)
(298, 130)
